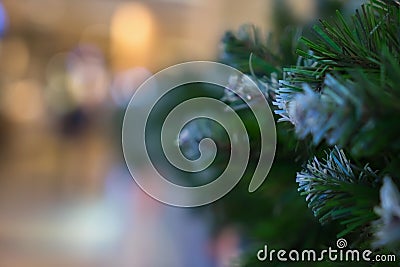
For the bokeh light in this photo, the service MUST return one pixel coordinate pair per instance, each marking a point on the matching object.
(3, 20)
(23, 101)
(67, 72)
(132, 28)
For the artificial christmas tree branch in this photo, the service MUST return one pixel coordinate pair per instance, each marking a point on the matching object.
(337, 190)
(340, 91)
(353, 69)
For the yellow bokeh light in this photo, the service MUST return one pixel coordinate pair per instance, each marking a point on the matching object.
(22, 101)
(131, 33)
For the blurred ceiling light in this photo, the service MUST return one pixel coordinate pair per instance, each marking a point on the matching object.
(14, 57)
(23, 102)
(131, 33)
(304, 10)
(87, 75)
(77, 79)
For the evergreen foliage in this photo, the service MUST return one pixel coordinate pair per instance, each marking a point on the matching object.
(338, 89)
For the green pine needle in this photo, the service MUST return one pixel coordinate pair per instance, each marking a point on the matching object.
(353, 69)
(337, 190)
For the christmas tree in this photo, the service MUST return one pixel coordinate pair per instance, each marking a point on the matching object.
(343, 93)
(336, 98)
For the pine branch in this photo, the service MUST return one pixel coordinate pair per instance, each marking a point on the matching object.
(237, 48)
(344, 90)
(337, 190)
(344, 44)
(359, 112)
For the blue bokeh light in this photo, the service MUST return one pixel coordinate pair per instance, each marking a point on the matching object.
(3, 20)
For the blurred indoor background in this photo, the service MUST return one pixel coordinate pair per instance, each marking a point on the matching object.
(67, 71)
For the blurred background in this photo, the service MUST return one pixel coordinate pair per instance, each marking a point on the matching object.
(67, 71)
